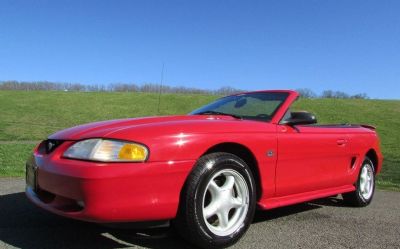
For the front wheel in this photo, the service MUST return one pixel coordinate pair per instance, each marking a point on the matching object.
(218, 201)
(365, 186)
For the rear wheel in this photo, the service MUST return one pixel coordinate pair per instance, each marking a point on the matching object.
(218, 201)
(365, 186)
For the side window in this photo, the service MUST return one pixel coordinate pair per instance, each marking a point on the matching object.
(287, 115)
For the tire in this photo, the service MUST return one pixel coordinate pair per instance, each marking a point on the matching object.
(208, 216)
(365, 186)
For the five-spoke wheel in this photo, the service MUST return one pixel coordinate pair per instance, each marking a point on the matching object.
(365, 186)
(225, 202)
(218, 201)
(367, 181)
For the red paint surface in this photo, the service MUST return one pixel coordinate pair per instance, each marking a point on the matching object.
(307, 163)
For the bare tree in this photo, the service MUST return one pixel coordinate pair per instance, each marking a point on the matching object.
(306, 93)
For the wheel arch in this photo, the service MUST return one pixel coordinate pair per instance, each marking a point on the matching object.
(245, 154)
(373, 156)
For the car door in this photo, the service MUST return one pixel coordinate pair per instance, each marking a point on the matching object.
(309, 158)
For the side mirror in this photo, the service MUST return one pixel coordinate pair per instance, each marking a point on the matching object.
(300, 118)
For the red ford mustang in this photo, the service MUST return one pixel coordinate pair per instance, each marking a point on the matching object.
(206, 171)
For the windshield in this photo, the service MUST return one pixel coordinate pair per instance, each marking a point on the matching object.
(255, 106)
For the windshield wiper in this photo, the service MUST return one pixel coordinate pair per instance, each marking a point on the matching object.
(219, 113)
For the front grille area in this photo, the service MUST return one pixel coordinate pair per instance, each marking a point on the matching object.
(49, 145)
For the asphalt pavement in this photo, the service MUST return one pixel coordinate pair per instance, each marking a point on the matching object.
(324, 223)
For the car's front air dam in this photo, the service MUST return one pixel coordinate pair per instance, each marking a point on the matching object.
(114, 192)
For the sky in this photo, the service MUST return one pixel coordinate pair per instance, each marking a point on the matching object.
(345, 45)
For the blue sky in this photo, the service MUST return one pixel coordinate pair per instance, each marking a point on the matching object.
(352, 46)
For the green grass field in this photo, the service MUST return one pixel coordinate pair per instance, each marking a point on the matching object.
(27, 117)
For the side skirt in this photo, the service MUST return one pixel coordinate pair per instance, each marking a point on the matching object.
(281, 201)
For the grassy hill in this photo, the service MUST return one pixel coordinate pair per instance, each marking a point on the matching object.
(26, 117)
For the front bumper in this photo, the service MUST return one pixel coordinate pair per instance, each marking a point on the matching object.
(101, 192)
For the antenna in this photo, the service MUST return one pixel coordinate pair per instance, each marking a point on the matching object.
(159, 93)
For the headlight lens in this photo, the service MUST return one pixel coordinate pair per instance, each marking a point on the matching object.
(105, 150)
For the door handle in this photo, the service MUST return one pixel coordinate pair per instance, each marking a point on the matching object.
(341, 142)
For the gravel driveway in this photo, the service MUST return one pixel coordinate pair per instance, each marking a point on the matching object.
(324, 223)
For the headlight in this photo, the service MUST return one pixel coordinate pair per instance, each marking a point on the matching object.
(107, 151)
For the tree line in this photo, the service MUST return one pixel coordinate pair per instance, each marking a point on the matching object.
(330, 94)
(153, 88)
(114, 87)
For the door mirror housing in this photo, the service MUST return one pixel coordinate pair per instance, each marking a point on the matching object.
(300, 118)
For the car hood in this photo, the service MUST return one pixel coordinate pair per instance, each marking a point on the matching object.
(154, 126)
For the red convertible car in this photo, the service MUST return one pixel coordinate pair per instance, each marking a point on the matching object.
(207, 171)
